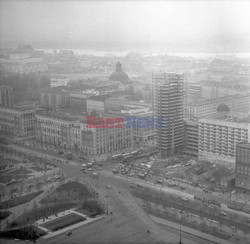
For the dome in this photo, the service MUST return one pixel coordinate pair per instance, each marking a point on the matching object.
(119, 75)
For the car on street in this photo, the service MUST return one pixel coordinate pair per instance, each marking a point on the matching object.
(69, 233)
(108, 186)
(223, 213)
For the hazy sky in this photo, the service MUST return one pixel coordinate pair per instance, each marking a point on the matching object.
(123, 23)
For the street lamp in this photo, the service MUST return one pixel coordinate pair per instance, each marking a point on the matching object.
(107, 204)
(180, 226)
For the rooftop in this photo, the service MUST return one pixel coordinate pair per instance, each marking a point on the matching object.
(217, 100)
(60, 116)
(55, 90)
(244, 145)
(100, 98)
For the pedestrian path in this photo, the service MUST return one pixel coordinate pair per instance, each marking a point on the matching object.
(194, 232)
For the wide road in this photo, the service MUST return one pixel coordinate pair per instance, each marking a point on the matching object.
(128, 223)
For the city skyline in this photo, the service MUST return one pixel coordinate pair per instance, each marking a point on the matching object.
(190, 26)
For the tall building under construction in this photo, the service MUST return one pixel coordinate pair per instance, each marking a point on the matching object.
(168, 104)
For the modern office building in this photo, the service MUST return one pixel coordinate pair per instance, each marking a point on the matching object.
(19, 122)
(168, 105)
(242, 169)
(6, 96)
(219, 136)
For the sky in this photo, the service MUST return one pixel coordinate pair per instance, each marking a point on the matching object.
(177, 25)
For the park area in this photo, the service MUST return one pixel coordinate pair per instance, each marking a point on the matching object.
(19, 200)
(70, 191)
(62, 222)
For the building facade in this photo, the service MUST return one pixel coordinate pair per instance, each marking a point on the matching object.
(242, 169)
(219, 136)
(97, 103)
(191, 138)
(106, 141)
(17, 122)
(168, 105)
(54, 99)
(58, 130)
(6, 96)
(23, 66)
(238, 103)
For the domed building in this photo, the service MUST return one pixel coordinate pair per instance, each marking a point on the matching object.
(119, 75)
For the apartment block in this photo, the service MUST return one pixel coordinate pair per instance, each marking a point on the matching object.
(58, 130)
(18, 122)
(54, 99)
(106, 141)
(219, 136)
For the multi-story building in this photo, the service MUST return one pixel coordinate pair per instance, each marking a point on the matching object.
(168, 105)
(242, 169)
(144, 134)
(57, 82)
(194, 92)
(106, 141)
(219, 136)
(23, 66)
(238, 103)
(78, 103)
(18, 122)
(114, 103)
(97, 103)
(54, 99)
(6, 96)
(191, 138)
(212, 92)
(58, 130)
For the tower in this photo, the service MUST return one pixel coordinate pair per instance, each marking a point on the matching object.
(168, 105)
(118, 67)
